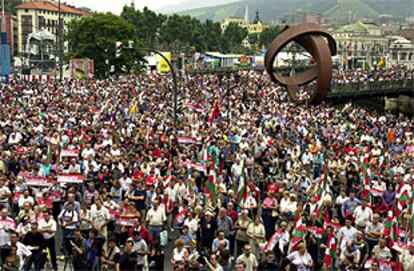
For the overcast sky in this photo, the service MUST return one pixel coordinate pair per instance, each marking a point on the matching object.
(115, 6)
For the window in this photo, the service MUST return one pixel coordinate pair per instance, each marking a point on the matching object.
(42, 22)
(27, 28)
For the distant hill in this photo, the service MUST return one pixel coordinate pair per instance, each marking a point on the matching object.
(334, 10)
(192, 4)
(346, 10)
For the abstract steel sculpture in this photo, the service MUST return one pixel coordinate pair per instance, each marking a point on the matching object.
(320, 44)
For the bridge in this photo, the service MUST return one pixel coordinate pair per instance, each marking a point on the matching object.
(373, 95)
(357, 91)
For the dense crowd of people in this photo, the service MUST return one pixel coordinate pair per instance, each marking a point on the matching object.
(100, 173)
(362, 76)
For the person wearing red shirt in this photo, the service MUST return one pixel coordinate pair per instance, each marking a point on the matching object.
(272, 186)
(231, 212)
(142, 231)
(46, 201)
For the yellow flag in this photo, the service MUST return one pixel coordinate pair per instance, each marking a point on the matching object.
(134, 109)
(381, 62)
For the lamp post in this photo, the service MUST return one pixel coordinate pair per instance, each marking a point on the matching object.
(60, 41)
(174, 77)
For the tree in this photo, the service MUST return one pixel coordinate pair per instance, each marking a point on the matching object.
(234, 35)
(268, 35)
(10, 5)
(213, 36)
(95, 37)
(147, 24)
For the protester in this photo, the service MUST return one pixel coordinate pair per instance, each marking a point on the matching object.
(238, 168)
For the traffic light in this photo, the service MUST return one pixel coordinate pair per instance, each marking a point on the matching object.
(119, 46)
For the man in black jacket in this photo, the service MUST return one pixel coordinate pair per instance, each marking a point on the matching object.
(34, 240)
(128, 260)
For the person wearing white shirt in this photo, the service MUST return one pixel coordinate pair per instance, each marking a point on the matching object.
(155, 219)
(100, 217)
(191, 223)
(48, 227)
(346, 233)
(25, 198)
(7, 225)
(68, 220)
(301, 259)
(363, 214)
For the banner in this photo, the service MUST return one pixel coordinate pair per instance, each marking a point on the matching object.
(114, 214)
(187, 139)
(7, 223)
(70, 153)
(70, 178)
(199, 167)
(198, 108)
(126, 221)
(82, 68)
(162, 64)
(43, 182)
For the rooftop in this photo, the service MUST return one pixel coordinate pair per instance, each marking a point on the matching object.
(52, 6)
(358, 27)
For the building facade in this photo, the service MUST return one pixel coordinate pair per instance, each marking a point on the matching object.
(254, 27)
(34, 16)
(11, 30)
(361, 44)
(402, 52)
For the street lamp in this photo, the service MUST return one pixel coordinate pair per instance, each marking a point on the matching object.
(60, 41)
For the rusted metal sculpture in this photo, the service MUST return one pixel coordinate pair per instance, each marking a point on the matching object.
(320, 44)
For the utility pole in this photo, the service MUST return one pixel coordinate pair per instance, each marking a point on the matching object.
(60, 42)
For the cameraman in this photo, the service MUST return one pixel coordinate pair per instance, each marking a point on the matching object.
(68, 220)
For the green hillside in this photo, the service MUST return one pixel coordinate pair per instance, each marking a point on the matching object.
(346, 10)
(334, 10)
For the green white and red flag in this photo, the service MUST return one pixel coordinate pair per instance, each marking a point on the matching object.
(270, 244)
(168, 177)
(331, 251)
(391, 229)
(242, 191)
(322, 191)
(298, 234)
(211, 185)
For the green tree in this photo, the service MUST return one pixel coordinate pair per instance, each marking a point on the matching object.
(95, 37)
(268, 35)
(213, 36)
(146, 22)
(9, 6)
(234, 35)
(180, 32)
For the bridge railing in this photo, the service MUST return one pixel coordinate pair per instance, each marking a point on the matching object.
(373, 86)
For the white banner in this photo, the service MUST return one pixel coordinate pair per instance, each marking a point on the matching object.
(70, 178)
(44, 182)
(69, 153)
